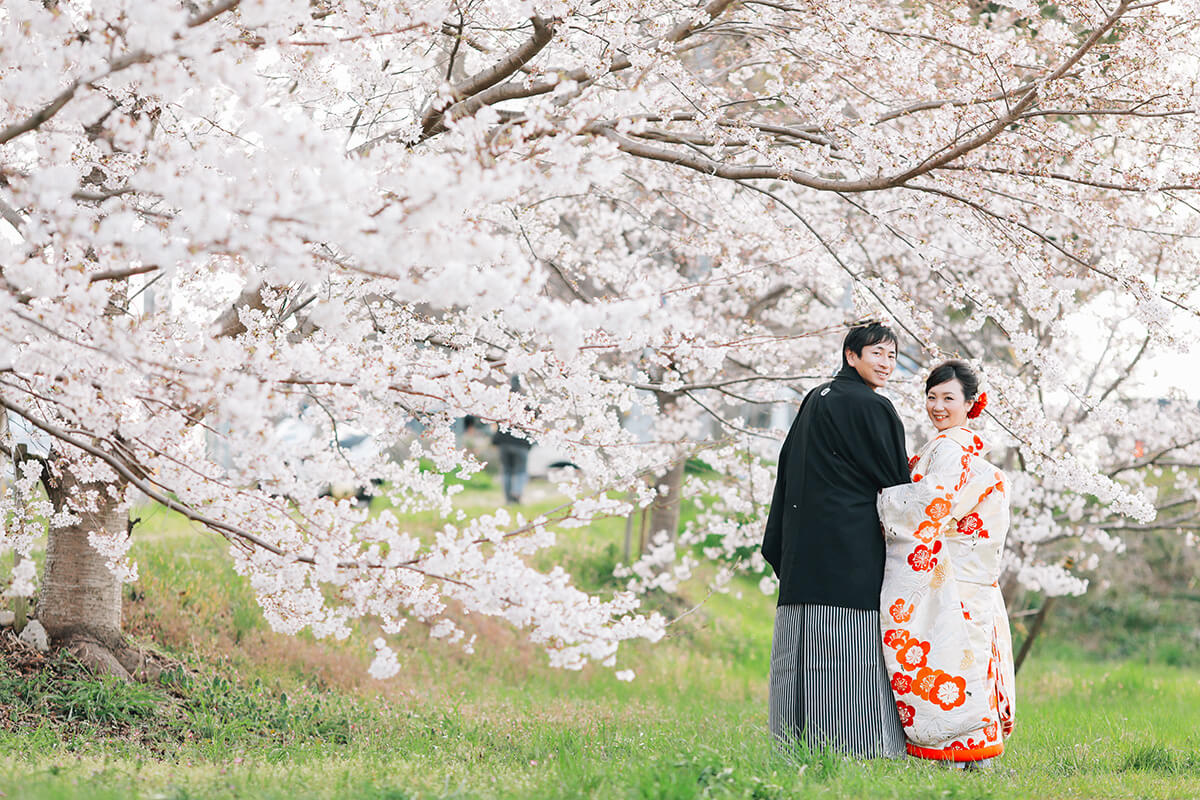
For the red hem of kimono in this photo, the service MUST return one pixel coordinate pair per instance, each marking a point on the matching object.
(974, 754)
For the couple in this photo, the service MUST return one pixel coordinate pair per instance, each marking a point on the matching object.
(892, 642)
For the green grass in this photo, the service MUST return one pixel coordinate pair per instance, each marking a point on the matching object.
(1085, 732)
(255, 714)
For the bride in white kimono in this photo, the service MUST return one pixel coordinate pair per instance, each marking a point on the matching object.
(945, 629)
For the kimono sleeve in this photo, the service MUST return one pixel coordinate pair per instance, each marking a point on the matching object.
(919, 509)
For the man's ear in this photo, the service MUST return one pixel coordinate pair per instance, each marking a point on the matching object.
(850, 356)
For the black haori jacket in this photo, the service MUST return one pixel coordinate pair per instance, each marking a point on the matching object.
(823, 536)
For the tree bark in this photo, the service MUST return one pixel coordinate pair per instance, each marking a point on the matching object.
(20, 606)
(633, 512)
(664, 511)
(1034, 630)
(80, 599)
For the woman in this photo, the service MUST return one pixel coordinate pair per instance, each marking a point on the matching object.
(945, 629)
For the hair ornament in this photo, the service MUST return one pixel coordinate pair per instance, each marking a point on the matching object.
(978, 406)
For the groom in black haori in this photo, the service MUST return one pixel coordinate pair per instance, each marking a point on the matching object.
(829, 687)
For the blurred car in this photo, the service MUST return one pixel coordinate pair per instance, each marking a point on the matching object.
(545, 461)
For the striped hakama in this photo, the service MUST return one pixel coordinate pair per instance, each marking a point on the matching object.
(828, 685)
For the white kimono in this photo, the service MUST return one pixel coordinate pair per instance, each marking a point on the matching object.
(945, 629)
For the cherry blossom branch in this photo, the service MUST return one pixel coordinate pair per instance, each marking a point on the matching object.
(11, 215)
(1099, 112)
(357, 37)
(97, 197)
(1061, 176)
(493, 94)
(950, 152)
(810, 134)
(1074, 527)
(726, 423)
(1044, 238)
(130, 456)
(706, 165)
(1175, 523)
(121, 274)
(47, 112)
(432, 120)
(223, 528)
(699, 386)
(1153, 458)
(1086, 408)
(924, 37)
(213, 12)
(837, 258)
(124, 471)
(1127, 371)
(933, 105)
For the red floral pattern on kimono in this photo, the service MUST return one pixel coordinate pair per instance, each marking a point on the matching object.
(900, 612)
(946, 637)
(923, 557)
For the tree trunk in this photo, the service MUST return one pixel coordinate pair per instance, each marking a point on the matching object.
(1034, 630)
(80, 600)
(643, 524)
(20, 605)
(664, 511)
(633, 512)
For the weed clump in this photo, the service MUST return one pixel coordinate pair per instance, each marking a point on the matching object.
(1160, 759)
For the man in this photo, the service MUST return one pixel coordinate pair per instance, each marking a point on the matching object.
(514, 454)
(514, 463)
(828, 684)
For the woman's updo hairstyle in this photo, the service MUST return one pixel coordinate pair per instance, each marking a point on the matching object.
(954, 370)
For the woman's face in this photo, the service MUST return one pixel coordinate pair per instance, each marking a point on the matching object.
(946, 406)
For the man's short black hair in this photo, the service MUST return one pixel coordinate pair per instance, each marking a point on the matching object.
(865, 335)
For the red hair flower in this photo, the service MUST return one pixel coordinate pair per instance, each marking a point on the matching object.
(978, 406)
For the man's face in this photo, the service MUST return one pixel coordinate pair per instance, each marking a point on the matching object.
(876, 363)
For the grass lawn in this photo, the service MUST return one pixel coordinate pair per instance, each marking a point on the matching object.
(261, 715)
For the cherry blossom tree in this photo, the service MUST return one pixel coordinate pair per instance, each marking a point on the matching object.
(374, 214)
